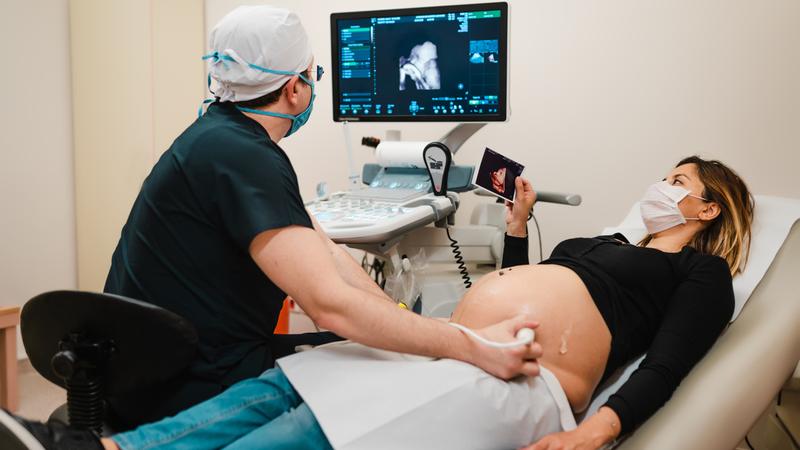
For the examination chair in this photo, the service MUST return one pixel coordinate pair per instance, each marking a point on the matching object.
(98, 346)
(728, 390)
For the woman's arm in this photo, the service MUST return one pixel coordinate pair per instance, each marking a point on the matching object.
(515, 248)
(697, 313)
(515, 251)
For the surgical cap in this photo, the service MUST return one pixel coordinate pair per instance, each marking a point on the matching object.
(261, 35)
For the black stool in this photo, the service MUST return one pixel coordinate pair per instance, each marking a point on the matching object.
(97, 346)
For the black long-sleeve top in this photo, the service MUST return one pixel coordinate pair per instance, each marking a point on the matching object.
(672, 306)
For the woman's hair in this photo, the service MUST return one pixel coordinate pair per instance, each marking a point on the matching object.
(728, 235)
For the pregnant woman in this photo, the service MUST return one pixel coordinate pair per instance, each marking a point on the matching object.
(600, 302)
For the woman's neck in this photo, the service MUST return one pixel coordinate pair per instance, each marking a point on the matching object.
(671, 240)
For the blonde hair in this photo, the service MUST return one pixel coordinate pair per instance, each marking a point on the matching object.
(727, 236)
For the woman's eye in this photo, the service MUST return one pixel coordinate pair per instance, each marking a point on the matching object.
(676, 181)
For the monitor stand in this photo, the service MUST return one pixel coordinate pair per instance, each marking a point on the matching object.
(453, 139)
(456, 137)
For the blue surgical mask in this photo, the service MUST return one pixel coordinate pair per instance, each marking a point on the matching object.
(297, 121)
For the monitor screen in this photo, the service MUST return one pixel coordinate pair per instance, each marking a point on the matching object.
(443, 63)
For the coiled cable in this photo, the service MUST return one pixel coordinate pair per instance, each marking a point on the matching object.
(462, 267)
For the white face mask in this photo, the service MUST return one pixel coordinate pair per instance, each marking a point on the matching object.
(659, 207)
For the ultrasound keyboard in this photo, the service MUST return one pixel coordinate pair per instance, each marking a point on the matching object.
(375, 215)
(384, 194)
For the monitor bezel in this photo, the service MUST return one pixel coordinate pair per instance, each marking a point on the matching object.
(501, 115)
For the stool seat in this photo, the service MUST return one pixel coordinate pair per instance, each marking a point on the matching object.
(99, 346)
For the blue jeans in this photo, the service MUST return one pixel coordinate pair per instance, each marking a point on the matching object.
(264, 412)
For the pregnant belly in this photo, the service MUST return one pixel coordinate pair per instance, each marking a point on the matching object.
(572, 333)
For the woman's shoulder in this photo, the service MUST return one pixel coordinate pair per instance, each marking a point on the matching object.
(695, 261)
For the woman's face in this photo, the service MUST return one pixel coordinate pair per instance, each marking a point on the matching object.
(686, 176)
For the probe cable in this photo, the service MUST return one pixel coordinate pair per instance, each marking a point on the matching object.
(524, 337)
(538, 233)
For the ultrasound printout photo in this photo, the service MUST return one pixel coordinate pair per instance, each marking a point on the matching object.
(496, 174)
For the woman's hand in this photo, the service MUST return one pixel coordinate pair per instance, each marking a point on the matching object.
(595, 432)
(517, 212)
(566, 440)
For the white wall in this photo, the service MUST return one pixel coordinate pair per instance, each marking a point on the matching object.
(605, 98)
(37, 222)
(137, 80)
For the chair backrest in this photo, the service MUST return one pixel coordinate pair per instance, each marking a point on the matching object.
(144, 344)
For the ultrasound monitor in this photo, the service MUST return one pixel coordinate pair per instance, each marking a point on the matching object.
(446, 63)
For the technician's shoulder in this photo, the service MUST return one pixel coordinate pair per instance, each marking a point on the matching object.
(214, 132)
(221, 139)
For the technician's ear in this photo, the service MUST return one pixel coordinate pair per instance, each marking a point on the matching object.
(291, 90)
(710, 212)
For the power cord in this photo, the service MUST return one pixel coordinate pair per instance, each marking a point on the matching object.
(462, 267)
(538, 234)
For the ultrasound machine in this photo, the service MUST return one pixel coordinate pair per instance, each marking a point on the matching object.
(445, 64)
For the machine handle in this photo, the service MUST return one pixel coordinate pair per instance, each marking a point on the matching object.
(546, 197)
(558, 197)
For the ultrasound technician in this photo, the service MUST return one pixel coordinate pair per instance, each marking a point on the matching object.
(219, 233)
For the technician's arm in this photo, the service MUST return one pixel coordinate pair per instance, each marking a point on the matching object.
(350, 271)
(284, 255)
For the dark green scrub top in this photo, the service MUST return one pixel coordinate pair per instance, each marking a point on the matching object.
(185, 244)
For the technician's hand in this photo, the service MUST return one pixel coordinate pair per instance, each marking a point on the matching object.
(517, 212)
(509, 362)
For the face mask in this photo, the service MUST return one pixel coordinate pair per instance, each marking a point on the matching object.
(298, 120)
(659, 207)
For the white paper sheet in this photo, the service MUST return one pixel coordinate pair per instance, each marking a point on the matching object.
(366, 398)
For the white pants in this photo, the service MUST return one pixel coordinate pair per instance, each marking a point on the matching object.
(365, 398)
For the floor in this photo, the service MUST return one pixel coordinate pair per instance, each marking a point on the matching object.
(779, 427)
(38, 397)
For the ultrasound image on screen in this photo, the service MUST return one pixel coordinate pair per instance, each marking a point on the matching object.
(416, 62)
(420, 70)
(438, 62)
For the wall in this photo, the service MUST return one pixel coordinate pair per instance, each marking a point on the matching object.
(37, 222)
(137, 81)
(605, 98)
